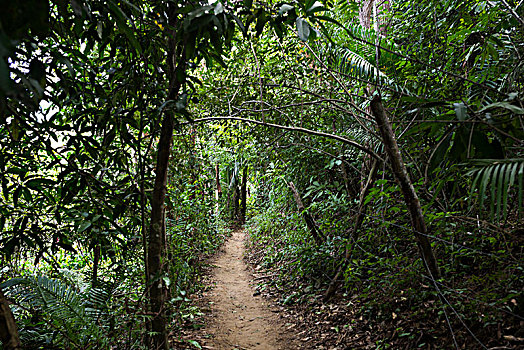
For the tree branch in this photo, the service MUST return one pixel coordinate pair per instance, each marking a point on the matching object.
(292, 128)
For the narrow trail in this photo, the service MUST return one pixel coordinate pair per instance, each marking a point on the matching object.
(240, 320)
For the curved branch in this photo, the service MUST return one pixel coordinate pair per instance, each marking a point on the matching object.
(292, 128)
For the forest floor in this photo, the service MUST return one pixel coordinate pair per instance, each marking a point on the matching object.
(238, 310)
(236, 316)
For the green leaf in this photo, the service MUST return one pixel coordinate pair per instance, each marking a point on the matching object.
(316, 7)
(507, 186)
(121, 20)
(460, 111)
(240, 24)
(167, 281)
(521, 186)
(484, 183)
(39, 183)
(219, 8)
(475, 181)
(302, 29)
(181, 103)
(262, 19)
(285, 8)
(194, 343)
(84, 226)
(500, 189)
(495, 173)
(248, 4)
(17, 170)
(506, 105)
(331, 20)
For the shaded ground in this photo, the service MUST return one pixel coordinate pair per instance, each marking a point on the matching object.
(241, 312)
(236, 317)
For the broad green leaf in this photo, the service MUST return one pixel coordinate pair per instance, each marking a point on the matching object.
(219, 8)
(521, 186)
(302, 29)
(500, 189)
(507, 105)
(484, 183)
(460, 111)
(84, 226)
(121, 20)
(316, 7)
(285, 8)
(194, 343)
(493, 184)
(262, 19)
(39, 183)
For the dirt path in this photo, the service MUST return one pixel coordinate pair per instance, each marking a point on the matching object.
(240, 320)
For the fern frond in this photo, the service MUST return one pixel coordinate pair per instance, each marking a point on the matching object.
(73, 315)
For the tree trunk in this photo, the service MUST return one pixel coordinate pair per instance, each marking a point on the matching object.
(402, 177)
(157, 292)
(345, 177)
(156, 246)
(8, 330)
(310, 222)
(235, 214)
(243, 197)
(96, 261)
(218, 187)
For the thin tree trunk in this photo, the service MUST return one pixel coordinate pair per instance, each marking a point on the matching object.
(155, 254)
(96, 261)
(310, 222)
(402, 177)
(156, 245)
(335, 282)
(8, 330)
(235, 214)
(243, 197)
(218, 187)
(345, 177)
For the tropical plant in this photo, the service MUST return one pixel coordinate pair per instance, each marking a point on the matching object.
(497, 177)
(58, 315)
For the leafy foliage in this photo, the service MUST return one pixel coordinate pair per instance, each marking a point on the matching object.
(84, 88)
(498, 177)
(71, 318)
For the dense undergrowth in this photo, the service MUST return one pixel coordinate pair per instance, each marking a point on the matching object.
(477, 302)
(60, 308)
(220, 100)
(63, 301)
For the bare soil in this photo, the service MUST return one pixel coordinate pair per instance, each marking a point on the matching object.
(237, 317)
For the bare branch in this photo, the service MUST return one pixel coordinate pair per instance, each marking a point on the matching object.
(292, 128)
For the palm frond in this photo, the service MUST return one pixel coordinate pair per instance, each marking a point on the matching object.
(497, 177)
(355, 65)
(352, 50)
